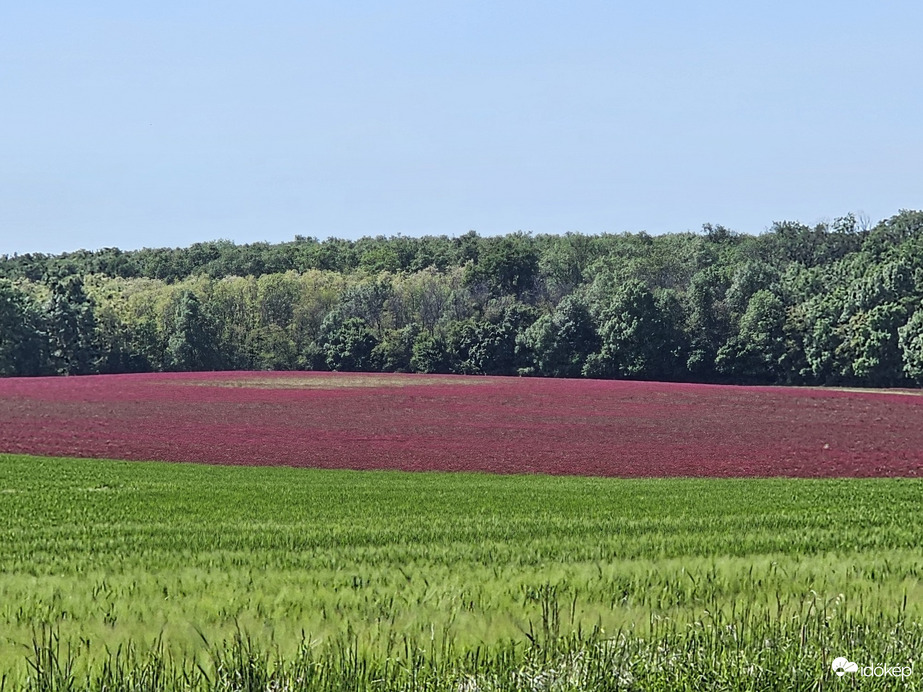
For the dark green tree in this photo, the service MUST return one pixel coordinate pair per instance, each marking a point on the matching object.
(560, 343)
(910, 340)
(192, 341)
(707, 321)
(23, 341)
(71, 327)
(431, 354)
(756, 353)
(506, 265)
(639, 339)
(347, 344)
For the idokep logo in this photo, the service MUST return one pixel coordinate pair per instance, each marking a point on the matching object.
(842, 665)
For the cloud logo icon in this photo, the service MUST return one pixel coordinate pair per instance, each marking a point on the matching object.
(843, 665)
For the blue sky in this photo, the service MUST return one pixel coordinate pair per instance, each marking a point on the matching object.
(167, 123)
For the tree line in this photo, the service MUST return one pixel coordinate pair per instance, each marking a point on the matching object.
(836, 303)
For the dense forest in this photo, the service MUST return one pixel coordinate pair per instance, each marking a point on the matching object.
(832, 304)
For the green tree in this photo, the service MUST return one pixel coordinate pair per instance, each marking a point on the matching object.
(191, 345)
(910, 340)
(638, 338)
(23, 342)
(490, 345)
(367, 301)
(347, 344)
(431, 354)
(872, 345)
(271, 348)
(71, 328)
(707, 321)
(506, 265)
(563, 263)
(394, 352)
(559, 344)
(755, 354)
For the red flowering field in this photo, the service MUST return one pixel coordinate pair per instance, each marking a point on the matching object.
(449, 423)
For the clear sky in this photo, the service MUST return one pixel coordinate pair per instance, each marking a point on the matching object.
(165, 123)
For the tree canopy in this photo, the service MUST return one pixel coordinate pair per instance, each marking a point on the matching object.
(836, 303)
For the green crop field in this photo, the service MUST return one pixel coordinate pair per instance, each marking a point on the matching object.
(150, 576)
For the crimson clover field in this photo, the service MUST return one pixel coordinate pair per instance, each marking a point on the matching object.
(455, 423)
(629, 535)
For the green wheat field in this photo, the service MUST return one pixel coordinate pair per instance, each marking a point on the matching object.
(150, 576)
